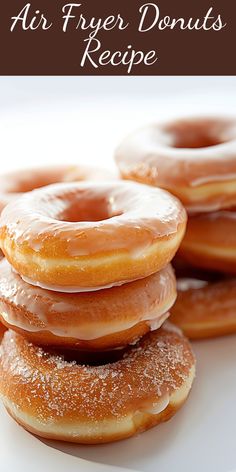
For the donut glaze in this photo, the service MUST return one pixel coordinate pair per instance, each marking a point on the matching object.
(60, 399)
(195, 159)
(205, 309)
(102, 319)
(2, 331)
(210, 241)
(91, 235)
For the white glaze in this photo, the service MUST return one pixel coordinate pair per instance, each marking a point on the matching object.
(156, 323)
(69, 289)
(159, 406)
(85, 332)
(185, 283)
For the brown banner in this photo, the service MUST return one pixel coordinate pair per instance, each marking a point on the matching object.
(132, 37)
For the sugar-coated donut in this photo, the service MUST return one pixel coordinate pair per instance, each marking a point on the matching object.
(102, 319)
(210, 241)
(13, 184)
(195, 159)
(61, 399)
(205, 309)
(91, 235)
(2, 327)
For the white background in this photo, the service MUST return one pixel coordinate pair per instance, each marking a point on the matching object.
(81, 120)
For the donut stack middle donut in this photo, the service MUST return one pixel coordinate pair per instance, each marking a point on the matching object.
(87, 268)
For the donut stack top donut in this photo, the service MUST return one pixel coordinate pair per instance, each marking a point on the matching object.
(75, 237)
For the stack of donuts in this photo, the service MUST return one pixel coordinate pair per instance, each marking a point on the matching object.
(86, 285)
(14, 184)
(195, 159)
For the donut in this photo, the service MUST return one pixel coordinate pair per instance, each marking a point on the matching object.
(2, 331)
(13, 184)
(59, 398)
(91, 235)
(2, 327)
(80, 173)
(205, 309)
(210, 241)
(195, 159)
(102, 319)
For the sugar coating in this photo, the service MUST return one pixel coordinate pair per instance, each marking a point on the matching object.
(55, 390)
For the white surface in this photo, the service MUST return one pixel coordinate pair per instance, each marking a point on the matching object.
(46, 120)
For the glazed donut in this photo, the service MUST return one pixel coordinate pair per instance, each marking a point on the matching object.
(102, 319)
(58, 398)
(87, 235)
(195, 159)
(80, 173)
(2, 331)
(210, 241)
(205, 309)
(13, 184)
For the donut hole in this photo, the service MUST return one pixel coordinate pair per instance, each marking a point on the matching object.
(199, 133)
(88, 209)
(90, 358)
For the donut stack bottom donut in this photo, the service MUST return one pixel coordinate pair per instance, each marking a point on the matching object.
(2, 327)
(195, 159)
(153, 374)
(60, 399)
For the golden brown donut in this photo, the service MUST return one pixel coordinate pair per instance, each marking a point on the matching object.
(13, 184)
(82, 172)
(102, 319)
(61, 399)
(91, 235)
(194, 158)
(210, 241)
(2, 327)
(2, 331)
(205, 309)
